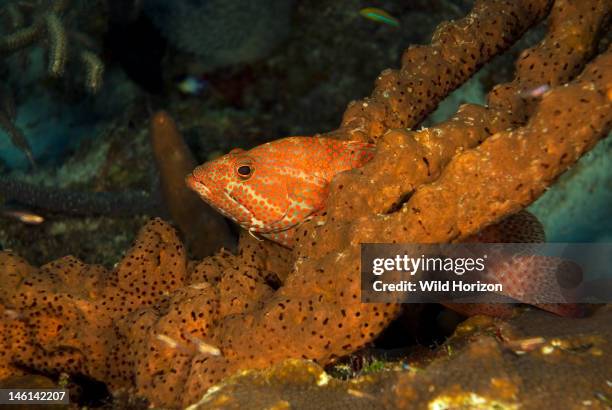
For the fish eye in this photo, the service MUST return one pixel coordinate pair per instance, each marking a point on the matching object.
(244, 171)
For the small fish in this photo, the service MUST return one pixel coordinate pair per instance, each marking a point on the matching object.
(380, 16)
(27, 217)
(192, 85)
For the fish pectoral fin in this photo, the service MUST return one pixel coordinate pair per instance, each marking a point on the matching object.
(285, 237)
(254, 235)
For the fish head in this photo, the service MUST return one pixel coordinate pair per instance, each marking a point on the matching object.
(245, 188)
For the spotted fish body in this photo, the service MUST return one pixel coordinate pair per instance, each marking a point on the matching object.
(526, 275)
(272, 188)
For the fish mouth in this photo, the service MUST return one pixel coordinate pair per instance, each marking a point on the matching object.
(190, 180)
(197, 186)
(204, 190)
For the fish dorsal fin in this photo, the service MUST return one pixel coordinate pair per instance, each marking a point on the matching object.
(361, 146)
(360, 152)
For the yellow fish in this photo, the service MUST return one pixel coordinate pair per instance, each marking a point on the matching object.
(379, 15)
(27, 217)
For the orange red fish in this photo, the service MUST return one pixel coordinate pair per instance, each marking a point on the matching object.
(274, 187)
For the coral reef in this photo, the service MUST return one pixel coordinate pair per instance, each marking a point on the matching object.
(43, 25)
(104, 185)
(29, 33)
(52, 63)
(80, 323)
(193, 217)
(403, 97)
(474, 370)
(117, 164)
(222, 33)
(167, 329)
(8, 114)
(425, 153)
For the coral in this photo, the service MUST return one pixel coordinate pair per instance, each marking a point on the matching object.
(431, 149)
(560, 358)
(93, 317)
(403, 97)
(196, 220)
(222, 33)
(168, 329)
(8, 114)
(542, 150)
(44, 23)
